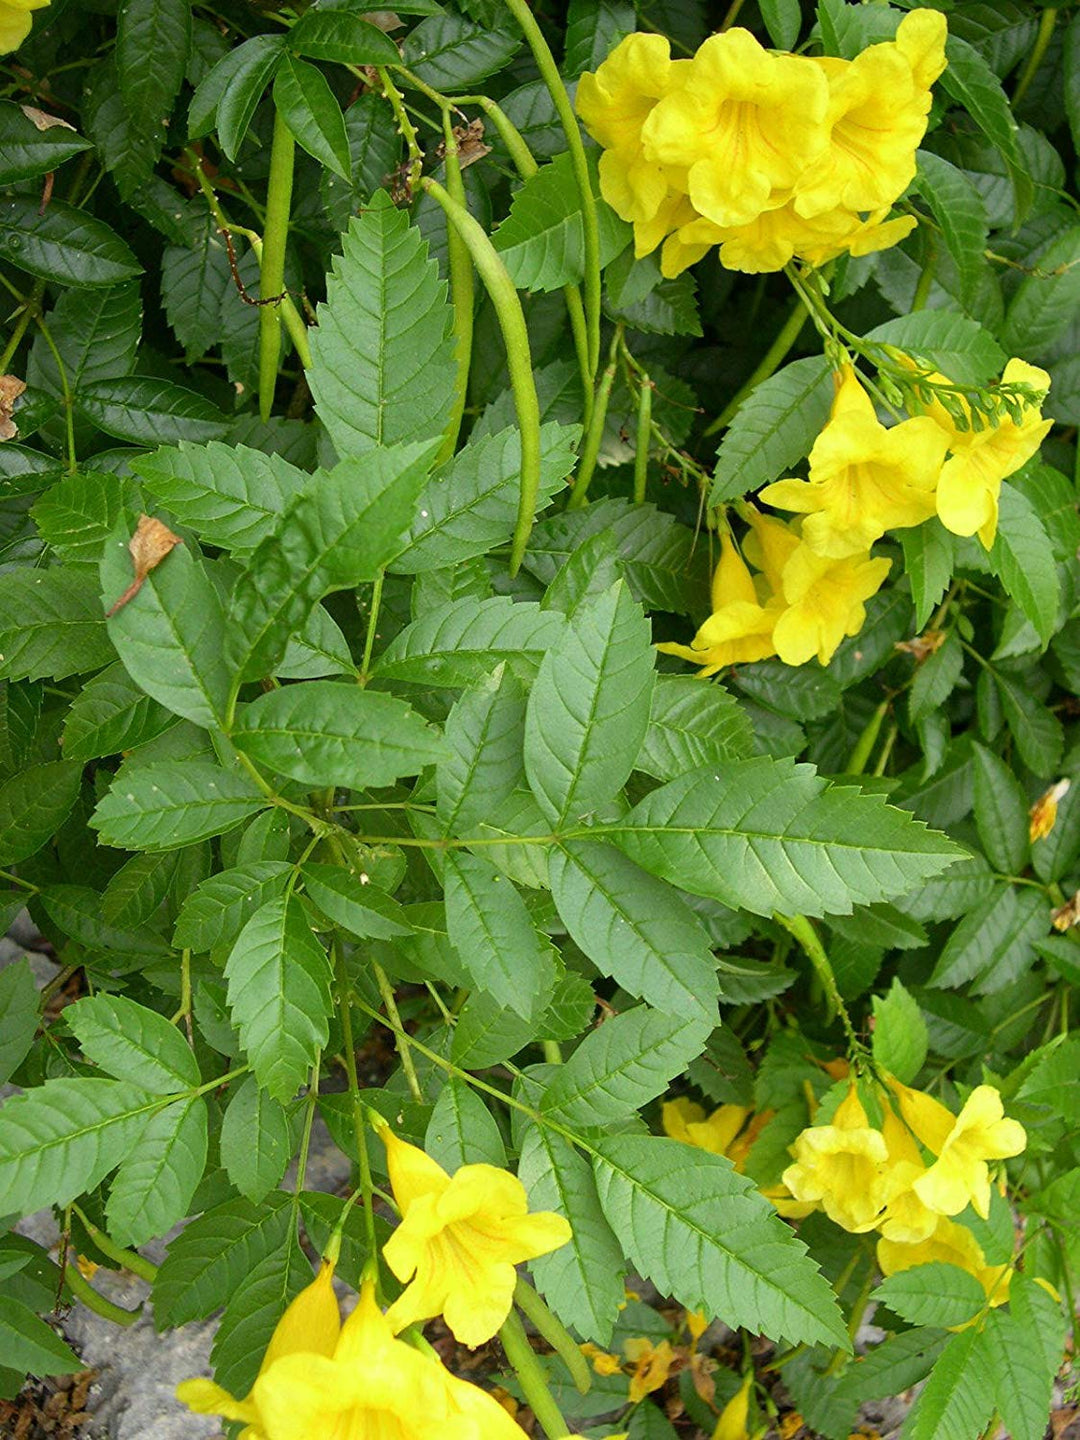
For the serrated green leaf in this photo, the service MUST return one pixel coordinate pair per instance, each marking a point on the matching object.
(958, 208)
(462, 1131)
(449, 52)
(256, 1141)
(1044, 301)
(77, 516)
(691, 725)
(1022, 1379)
(142, 411)
(994, 942)
(152, 42)
(470, 505)
(166, 804)
(490, 928)
(33, 806)
(328, 734)
(593, 29)
(279, 995)
(1019, 557)
(111, 714)
(1001, 813)
(969, 79)
(374, 153)
(703, 1234)
(900, 1044)
(231, 495)
(542, 240)
(634, 928)
(309, 109)
(135, 894)
(628, 1061)
(338, 533)
(936, 678)
(96, 336)
(62, 244)
(751, 835)
(27, 1343)
(774, 427)
(1035, 729)
(62, 1138)
(253, 1311)
(214, 1255)
(955, 343)
(487, 1033)
(958, 1398)
(1054, 1082)
(28, 151)
(76, 910)
(483, 763)
(20, 1013)
(133, 1043)
(588, 709)
(383, 362)
(51, 625)
(195, 280)
(353, 902)
(582, 1281)
(928, 563)
(153, 1188)
(464, 641)
(227, 97)
(216, 912)
(343, 36)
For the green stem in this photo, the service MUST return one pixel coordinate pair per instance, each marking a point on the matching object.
(644, 439)
(126, 1259)
(515, 335)
(1047, 21)
(590, 225)
(776, 353)
(590, 451)
(65, 390)
(533, 1380)
(461, 296)
(359, 1123)
(579, 330)
(555, 1333)
(85, 1292)
(310, 1103)
(926, 279)
(799, 926)
(864, 746)
(373, 620)
(272, 267)
(31, 306)
(405, 126)
(386, 990)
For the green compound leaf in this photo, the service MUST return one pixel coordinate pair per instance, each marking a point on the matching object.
(958, 1398)
(256, 1140)
(1019, 558)
(133, 1043)
(484, 738)
(470, 505)
(338, 533)
(146, 412)
(218, 909)
(958, 208)
(582, 1281)
(589, 708)
(774, 427)
(33, 805)
(279, 995)
(490, 928)
(969, 79)
(213, 1256)
(353, 902)
(767, 835)
(171, 634)
(307, 105)
(63, 1137)
(343, 36)
(634, 928)
(153, 1188)
(231, 495)
(1001, 813)
(51, 625)
(928, 562)
(628, 1061)
(62, 244)
(542, 241)
(328, 734)
(462, 1131)
(152, 42)
(166, 804)
(935, 1294)
(900, 1037)
(702, 1233)
(383, 362)
(691, 725)
(20, 1012)
(461, 643)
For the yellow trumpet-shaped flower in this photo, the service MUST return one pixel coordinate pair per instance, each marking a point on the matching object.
(970, 484)
(740, 628)
(907, 1219)
(960, 1174)
(687, 1121)
(844, 1166)
(743, 123)
(826, 600)
(864, 479)
(459, 1239)
(951, 1244)
(769, 546)
(733, 1417)
(15, 22)
(311, 1325)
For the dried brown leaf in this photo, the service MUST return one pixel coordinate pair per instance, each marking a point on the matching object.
(149, 545)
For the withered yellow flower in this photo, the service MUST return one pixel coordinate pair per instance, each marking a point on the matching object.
(459, 1239)
(864, 478)
(652, 1365)
(1043, 814)
(844, 1166)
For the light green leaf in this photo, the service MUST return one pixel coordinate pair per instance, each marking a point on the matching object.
(1020, 558)
(634, 928)
(328, 734)
(691, 725)
(256, 1142)
(704, 1235)
(957, 345)
(338, 533)
(542, 240)
(153, 1188)
(309, 108)
(774, 427)
(958, 1399)
(490, 928)
(51, 625)
(753, 835)
(20, 1013)
(231, 495)
(27, 1343)
(900, 1040)
(588, 709)
(214, 1255)
(1022, 1370)
(218, 909)
(353, 902)
(279, 995)
(133, 1043)
(628, 1061)
(461, 1130)
(1001, 813)
(483, 766)
(582, 1281)
(463, 642)
(33, 806)
(166, 804)
(383, 356)
(62, 1138)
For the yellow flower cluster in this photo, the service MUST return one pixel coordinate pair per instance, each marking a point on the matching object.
(15, 22)
(458, 1242)
(769, 156)
(910, 1177)
(816, 573)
